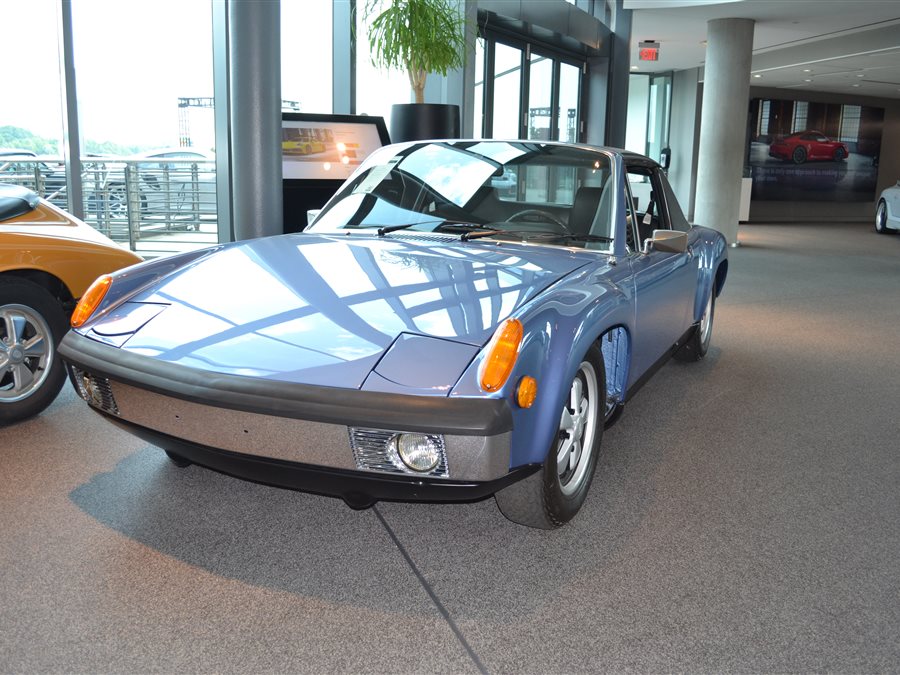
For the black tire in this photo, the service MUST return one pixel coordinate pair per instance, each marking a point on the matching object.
(799, 155)
(178, 460)
(32, 322)
(698, 344)
(551, 497)
(881, 219)
(839, 155)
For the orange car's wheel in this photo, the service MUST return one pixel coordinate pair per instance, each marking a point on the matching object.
(32, 323)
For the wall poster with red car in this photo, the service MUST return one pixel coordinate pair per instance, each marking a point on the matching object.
(806, 151)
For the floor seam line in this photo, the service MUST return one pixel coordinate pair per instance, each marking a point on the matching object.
(431, 594)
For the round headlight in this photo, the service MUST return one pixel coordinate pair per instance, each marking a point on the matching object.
(418, 452)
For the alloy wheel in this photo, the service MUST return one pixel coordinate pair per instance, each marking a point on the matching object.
(577, 428)
(26, 352)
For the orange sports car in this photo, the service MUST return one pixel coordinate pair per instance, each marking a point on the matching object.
(48, 258)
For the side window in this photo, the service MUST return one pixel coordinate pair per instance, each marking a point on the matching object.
(645, 191)
(632, 245)
(677, 220)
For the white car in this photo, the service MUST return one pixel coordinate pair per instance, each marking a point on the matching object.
(887, 213)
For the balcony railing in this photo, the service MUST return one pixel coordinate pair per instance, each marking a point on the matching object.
(154, 206)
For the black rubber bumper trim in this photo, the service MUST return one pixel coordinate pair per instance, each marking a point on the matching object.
(359, 489)
(331, 405)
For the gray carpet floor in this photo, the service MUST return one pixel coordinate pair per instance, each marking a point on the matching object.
(745, 517)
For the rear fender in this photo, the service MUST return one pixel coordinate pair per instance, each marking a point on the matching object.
(711, 255)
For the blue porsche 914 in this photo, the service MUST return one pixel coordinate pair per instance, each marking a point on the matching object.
(463, 318)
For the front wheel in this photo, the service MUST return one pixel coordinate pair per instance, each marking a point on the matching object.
(881, 219)
(552, 496)
(32, 323)
(698, 345)
(799, 155)
(839, 155)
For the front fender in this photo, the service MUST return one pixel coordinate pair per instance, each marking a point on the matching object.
(560, 325)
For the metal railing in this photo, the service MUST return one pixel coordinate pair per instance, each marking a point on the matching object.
(153, 205)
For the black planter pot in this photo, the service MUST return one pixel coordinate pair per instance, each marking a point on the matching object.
(418, 121)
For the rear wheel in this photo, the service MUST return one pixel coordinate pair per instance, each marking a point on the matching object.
(553, 495)
(32, 322)
(698, 344)
(799, 155)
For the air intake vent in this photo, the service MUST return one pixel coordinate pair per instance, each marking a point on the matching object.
(95, 390)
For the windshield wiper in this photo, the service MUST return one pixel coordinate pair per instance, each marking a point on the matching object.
(583, 237)
(387, 229)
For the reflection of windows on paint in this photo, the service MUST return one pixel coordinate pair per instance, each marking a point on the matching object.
(801, 112)
(850, 115)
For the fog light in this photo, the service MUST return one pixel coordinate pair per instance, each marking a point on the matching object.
(417, 451)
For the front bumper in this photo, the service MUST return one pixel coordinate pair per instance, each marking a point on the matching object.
(292, 435)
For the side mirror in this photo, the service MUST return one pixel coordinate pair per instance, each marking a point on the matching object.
(665, 157)
(666, 241)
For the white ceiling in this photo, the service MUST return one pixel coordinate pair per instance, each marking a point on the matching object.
(837, 46)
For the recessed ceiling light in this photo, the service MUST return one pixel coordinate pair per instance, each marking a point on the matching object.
(807, 80)
(807, 70)
(757, 75)
(860, 75)
(634, 68)
(855, 85)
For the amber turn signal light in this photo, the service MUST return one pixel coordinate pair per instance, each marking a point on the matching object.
(502, 353)
(91, 299)
(526, 392)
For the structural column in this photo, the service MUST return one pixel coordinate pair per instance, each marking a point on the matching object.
(723, 125)
(254, 65)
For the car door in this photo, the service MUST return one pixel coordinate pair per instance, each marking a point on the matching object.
(664, 283)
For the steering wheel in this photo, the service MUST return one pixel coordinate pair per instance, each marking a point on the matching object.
(545, 215)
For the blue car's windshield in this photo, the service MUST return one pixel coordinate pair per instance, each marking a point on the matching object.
(557, 193)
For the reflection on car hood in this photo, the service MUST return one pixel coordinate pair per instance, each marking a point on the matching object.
(322, 309)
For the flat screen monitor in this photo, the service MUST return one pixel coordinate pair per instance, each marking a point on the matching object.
(328, 147)
(319, 152)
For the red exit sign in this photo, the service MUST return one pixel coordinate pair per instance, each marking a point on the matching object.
(648, 51)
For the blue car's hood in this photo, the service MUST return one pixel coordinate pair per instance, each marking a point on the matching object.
(323, 309)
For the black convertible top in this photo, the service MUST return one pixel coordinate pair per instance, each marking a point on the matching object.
(16, 200)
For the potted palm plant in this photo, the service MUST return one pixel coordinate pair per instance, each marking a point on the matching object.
(420, 37)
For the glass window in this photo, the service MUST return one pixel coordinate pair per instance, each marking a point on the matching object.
(569, 96)
(143, 92)
(130, 82)
(304, 88)
(31, 122)
(540, 87)
(507, 88)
